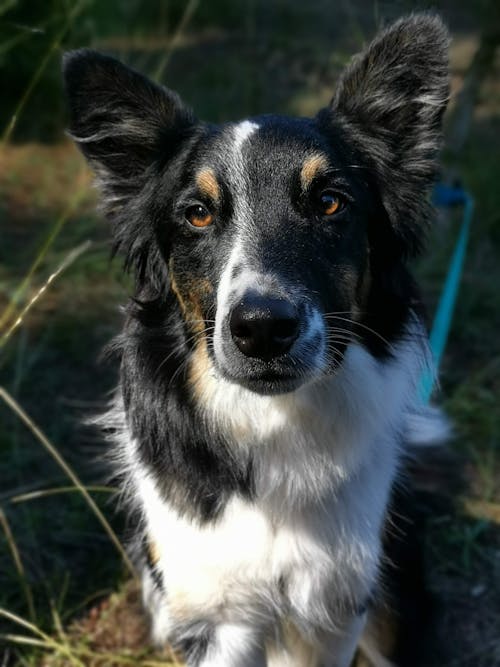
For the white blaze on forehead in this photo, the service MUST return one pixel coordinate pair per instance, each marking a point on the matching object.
(237, 172)
(242, 131)
(238, 180)
(225, 284)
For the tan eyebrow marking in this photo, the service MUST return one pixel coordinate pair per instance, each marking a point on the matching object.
(207, 182)
(313, 165)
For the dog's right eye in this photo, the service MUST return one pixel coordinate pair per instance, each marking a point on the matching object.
(329, 203)
(198, 216)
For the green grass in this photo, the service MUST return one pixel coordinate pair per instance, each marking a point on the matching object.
(232, 61)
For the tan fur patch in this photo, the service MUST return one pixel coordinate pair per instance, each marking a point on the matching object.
(154, 552)
(204, 286)
(200, 373)
(208, 184)
(204, 384)
(189, 299)
(303, 652)
(313, 165)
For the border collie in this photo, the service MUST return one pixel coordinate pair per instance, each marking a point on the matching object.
(271, 354)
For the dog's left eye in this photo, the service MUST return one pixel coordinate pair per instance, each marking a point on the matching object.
(198, 216)
(330, 203)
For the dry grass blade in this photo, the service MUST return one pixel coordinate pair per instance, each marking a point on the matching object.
(39, 71)
(18, 620)
(45, 493)
(59, 224)
(186, 17)
(12, 403)
(44, 641)
(63, 638)
(481, 509)
(23, 35)
(16, 557)
(69, 259)
(27, 641)
(56, 619)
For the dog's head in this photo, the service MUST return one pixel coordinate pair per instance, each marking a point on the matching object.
(282, 239)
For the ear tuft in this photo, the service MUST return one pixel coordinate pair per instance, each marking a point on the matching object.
(391, 100)
(121, 120)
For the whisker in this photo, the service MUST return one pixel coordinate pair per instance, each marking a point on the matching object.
(181, 368)
(183, 365)
(344, 331)
(337, 312)
(347, 166)
(364, 326)
(180, 347)
(340, 341)
(194, 321)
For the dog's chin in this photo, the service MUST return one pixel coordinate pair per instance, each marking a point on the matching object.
(270, 384)
(283, 375)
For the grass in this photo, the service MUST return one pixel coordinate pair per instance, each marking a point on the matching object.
(65, 594)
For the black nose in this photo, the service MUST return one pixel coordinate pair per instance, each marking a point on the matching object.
(264, 327)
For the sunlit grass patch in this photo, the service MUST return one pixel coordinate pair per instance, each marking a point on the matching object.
(114, 633)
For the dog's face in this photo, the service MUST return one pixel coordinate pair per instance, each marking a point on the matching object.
(282, 239)
(268, 251)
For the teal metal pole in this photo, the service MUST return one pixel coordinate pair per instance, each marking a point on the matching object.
(444, 313)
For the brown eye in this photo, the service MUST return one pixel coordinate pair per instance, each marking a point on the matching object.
(199, 216)
(330, 203)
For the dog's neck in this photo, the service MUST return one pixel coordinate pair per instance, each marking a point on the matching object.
(305, 444)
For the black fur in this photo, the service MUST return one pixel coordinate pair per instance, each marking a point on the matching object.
(193, 640)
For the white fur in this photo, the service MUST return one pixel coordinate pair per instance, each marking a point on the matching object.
(224, 291)
(235, 644)
(242, 131)
(427, 428)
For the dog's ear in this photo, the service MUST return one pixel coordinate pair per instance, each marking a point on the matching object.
(121, 120)
(124, 124)
(391, 100)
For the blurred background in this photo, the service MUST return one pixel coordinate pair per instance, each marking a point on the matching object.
(61, 574)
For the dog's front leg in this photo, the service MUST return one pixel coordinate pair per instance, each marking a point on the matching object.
(328, 649)
(339, 647)
(227, 645)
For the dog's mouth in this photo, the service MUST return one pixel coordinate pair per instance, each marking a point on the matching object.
(271, 377)
(269, 383)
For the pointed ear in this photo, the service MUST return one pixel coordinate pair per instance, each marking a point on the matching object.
(121, 121)
(125, 125)
(391, 100)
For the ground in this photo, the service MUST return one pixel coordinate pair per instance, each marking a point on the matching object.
(69, 579)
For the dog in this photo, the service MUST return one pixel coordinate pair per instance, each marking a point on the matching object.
(272, 352)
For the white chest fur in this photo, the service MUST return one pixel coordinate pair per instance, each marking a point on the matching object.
(325, 458)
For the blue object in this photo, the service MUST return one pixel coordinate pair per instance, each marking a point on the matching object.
(448, 196)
